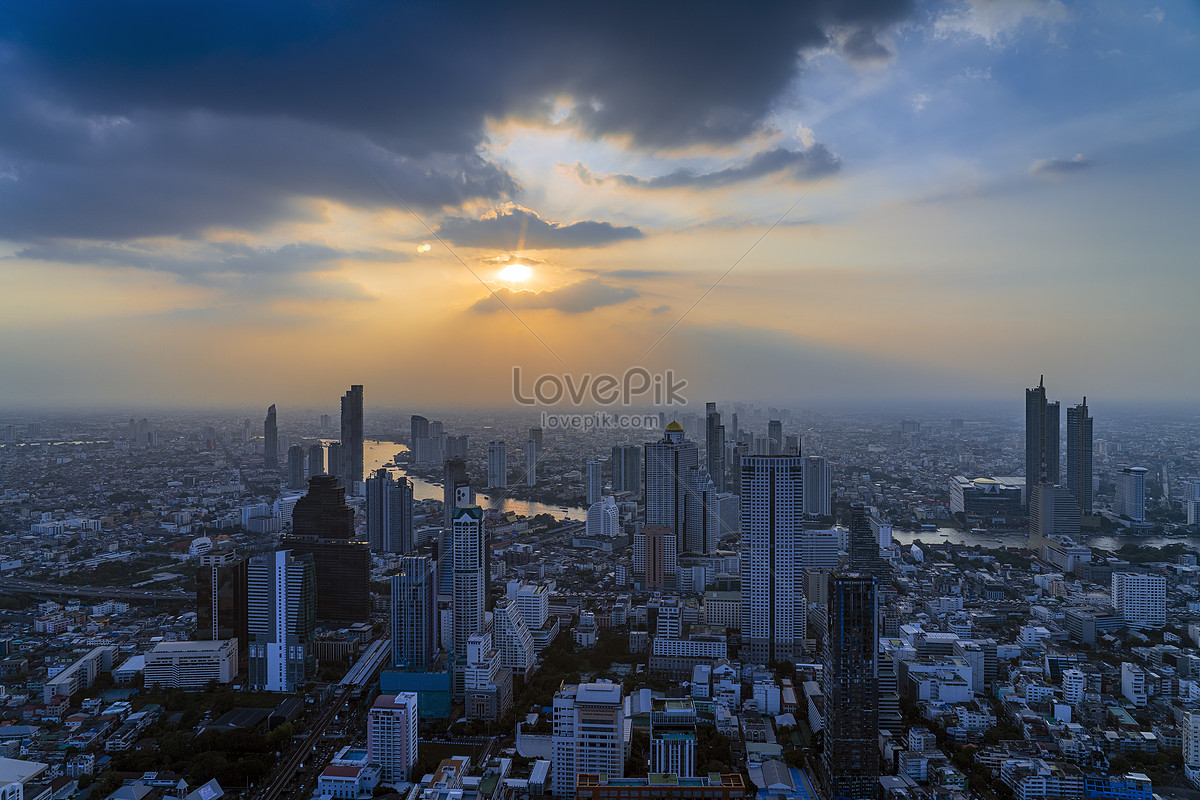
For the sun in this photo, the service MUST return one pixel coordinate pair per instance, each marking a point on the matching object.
(516, 273)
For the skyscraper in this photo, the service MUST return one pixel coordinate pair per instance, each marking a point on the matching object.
(603, 519)
(454, 478)
(389, 513)
(513, 638)
(281, 620)
(818, 487)
(850, 758)
(626, 468)
(864, 546)
(414, 615)
(588, 734)
(316, 460)
(773, 610)
(295, 456)
(1131, 493)
(469, 568)
(671, 471)
(1079, 456)
(270, 440)
(351, 472)
(594, 482)
(334, 461)
(221, 600)
(655, 557)
(530, 463)
(323, 527)
(1052, 512)
(1041, 438)
(497, 465)
(714, 446)
(535, 433)
(392, 736)
(775, 435)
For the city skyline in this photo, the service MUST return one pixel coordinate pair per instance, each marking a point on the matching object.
(925, 162)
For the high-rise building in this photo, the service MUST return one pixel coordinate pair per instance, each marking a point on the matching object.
(535, 433)
(351, 472)
(1131, 493)
(281, 620)
(673, 737)
(271, 439)
(587, 734)
(530, 463)
(655, 556)
(1141, 599)
(334, 461)
(850, 758)
(626, 468)
(1079, 456)
(323, 526)
(470, 566)
(392, 736)
(772, 509)
(389, 513)
(1191, 502)
(1052, 512)
(1191, 739)
(864, 546)
(414, 620)
(513, 639)
(714, 446)
(420, 444)
(221, 601)
(818, 487)
(603, 520)
(295, 457)
(497, 465)
(316, 460)
(671, 472)
(594, 481)
(775, 435)
(1041, 438)
(454, 479)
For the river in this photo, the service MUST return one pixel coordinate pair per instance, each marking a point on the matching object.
(376, 454)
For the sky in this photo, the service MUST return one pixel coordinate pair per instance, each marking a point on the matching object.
(798, 203)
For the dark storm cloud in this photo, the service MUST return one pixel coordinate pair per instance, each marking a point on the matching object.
(813, 162)
(131, 118)
(575, 298)
(1051, 167)
(518, 228)
(863, 47)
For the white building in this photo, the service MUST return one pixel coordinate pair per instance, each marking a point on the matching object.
(392, 735)
(532, 601)
(588, 734)
(1133, 684)
(281, 620)
(513, 639)
(1140, 599)
(1131, 493)
(79, 675)
(191, 665)
(1074, 684)
(603, 519)
(1191, 739)
(773, 608)
(497, 465)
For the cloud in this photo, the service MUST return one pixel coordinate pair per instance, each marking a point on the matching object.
(262, 272)
(862, 46)
(512, 227)
(575, 298)
(920, 100)
(630, 274)
(1051, 167)
(137, 118)
(808, 164)
(997, 21)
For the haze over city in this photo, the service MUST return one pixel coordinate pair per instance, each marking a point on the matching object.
(203, 204)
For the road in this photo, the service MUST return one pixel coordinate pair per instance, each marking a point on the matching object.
(14, 585)
(291, 762)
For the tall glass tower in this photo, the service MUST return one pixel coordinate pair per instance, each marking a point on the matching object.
(1079, 455)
